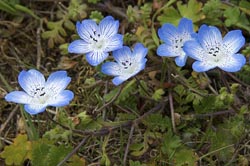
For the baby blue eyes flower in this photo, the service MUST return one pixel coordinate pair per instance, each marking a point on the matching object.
(211, 50)
(97, 40)
(127, 63)
(174, 39)
(38, 94)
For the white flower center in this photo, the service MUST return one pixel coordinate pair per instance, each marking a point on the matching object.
(40, 95)
(128, 67)
(98, 43)
(178, 43)
(215, 54)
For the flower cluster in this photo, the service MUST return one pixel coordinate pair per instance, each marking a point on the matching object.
(207, 47)
(96, 41)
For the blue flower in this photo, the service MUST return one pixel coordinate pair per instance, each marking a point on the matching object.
(38, 94)
(127, 63)
(211, 50)
(96, 41)
(174, 38)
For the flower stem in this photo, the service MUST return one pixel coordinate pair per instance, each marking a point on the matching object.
(224, 80)
(31, 130)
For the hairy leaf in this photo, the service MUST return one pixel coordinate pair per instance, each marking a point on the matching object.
(18, 152)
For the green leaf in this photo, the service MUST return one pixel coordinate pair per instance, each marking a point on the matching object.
(158, 94)
(77, 161)
(105, 159)
(170, 15)
(18, 152)
(144, 35)
(170, 144)
(57, 154)
(220, 142)
(69, 25)
(185, 157)
(213, 12)
(96, 16)
(5, 6)
(232, 15)
(126, 91)
(134, 163)
(138, 149)
(157, 122)
(40, 151)
(192, 10)
(58, 134)
(26, 10)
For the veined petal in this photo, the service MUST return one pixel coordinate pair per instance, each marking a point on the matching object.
(122, 54)
(202, 66)
(233, 41)
(209, 36)
(114, 43)
(108, 27)
(95, 58)
(119, 79)
(61, 99)
(86, 29)
(111, 68)
(139, 51)
(166, 50)
(181, 60)
(31, 79)
(34, 108)
(194, 50)
(233, 63)
(57, 81)
(185, 26)
(168, 33)
(79, 47)
(18, 97)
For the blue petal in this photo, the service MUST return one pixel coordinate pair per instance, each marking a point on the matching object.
(140, 51)
(114, 43)
(194, 50)
(118, 80)
(62, 99)
(18, 97)
(168, 33)
(202, 66)
(209, 36)
(79, 47)
(108, 27)
(233, 41)
(185, 26)
(86, 29)
(57, 81)
(181, 61)
(122, 54)
(233, 63)
(31, 79)
(95, 58)
(111, 68)
(34, 108)
(166, 50)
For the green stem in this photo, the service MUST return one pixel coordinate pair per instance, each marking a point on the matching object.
(217, 150)
(30, 128)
